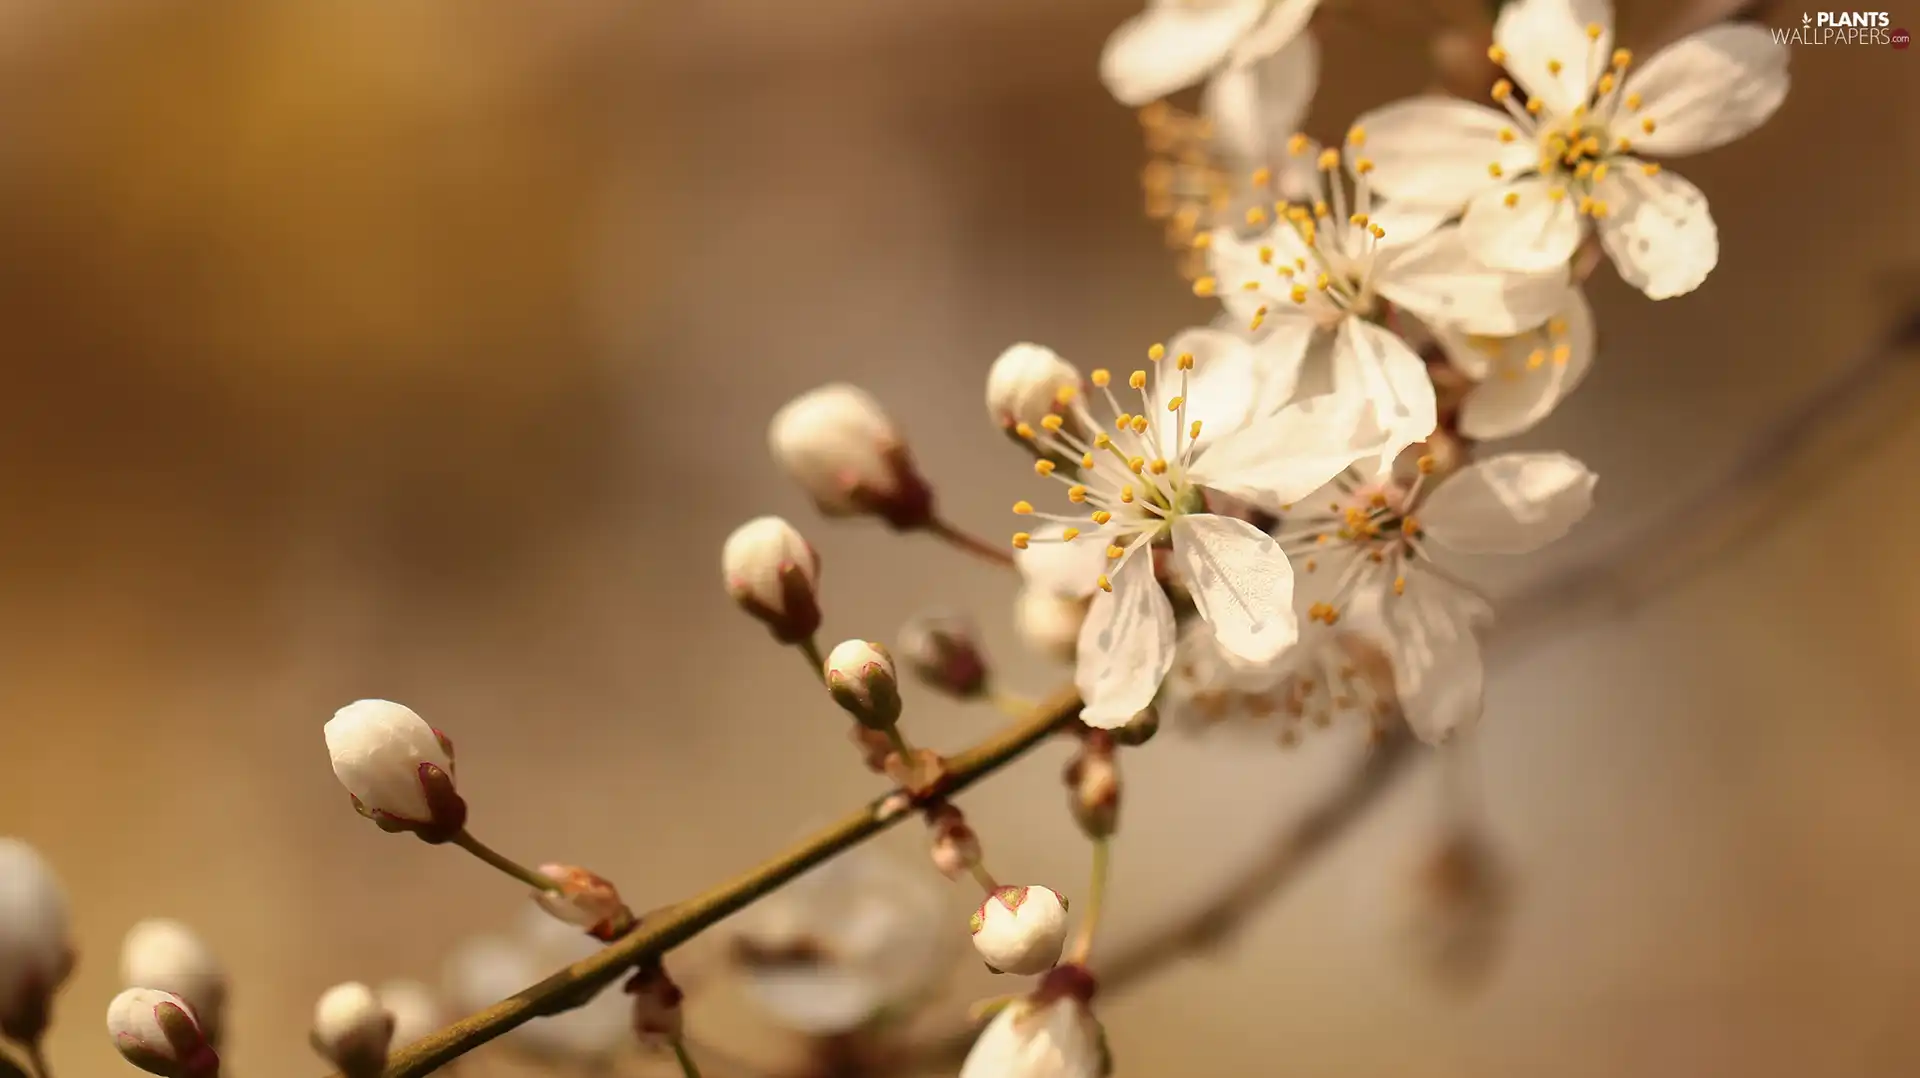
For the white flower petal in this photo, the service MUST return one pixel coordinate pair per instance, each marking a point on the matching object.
(1278, 357)
(1434, 151)
(1538, 231)
(1707, 89)
(1067, 569)
(1256, 107)
(1126, 645)
(1289, 455)
(1540, 34)
(1234, 262)
(1657, 230)
(1169, 47)
(1429, 634)
(1027, 1040)
(1220, 387)
(1241, 583)
(1440, 280)
(1374, 365)
(1516, 392)
(1510, 504)
(1282, 25)
(1405, 223)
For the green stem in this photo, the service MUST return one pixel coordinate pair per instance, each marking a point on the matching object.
(811, 649)
(983, 877)
(687, 1066)
(1096, 899)
(900, 745)
(518, 871)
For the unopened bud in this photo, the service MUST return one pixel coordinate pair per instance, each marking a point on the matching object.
(1028, 383)
(941, 651)
(774, 574)
(398, 769)
(166, 955)
(159, 1033)
(657, 1014)
(861, 677)
(1093, 786)
(415, 1009)
(1049, 623)
(36, 946)
(1138, 730)
(843, 450)
(955, 846)
(586, 901)
(1021, 930)
(352, 1031)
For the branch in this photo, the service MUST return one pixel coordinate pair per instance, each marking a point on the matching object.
(667, 928)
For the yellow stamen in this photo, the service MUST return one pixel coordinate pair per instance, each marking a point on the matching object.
(1101, 516)
(1022, 508)
(1021, 539)
(1101, 376)
(1076, 494)
(1043, 467)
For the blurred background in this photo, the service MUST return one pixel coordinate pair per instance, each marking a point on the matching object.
(424, 351)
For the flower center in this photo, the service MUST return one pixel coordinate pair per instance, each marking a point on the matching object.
(1367, 532)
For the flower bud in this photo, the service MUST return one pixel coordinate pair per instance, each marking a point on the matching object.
(956, 848)
(1021, 930)
(352, 1031)
(1458, 917)
(159, 1033)
(416, 1011)
(166, 955)
(861, 678)
(941, 651)
(656, 1005)
(586, 901)
(398, 769)
(36, 947)
(1028, 383)
(1138, 730)
(1093, 785)
(774, 574)
(1049, 623)
(841, 448)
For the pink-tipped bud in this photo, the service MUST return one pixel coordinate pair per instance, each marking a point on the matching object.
(861, 677)
(1020, 930)
(586, 901)
(774, 574)
(657, 1014)
(398, 769)
(352, 1031)
(159, 1033)
(942, 651)
(164, 954)
(955, 846)
(843, 450)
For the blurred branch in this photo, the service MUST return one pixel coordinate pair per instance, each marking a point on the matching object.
(1211, 923)
(665, 929)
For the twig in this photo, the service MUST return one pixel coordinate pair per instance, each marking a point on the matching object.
(671, 926)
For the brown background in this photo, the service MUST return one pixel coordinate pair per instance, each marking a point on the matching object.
(423, 351)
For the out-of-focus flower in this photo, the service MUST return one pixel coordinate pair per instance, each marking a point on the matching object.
(159, 1033)
(842, 944)
(1176, 43)
(1020, 930)
(36, 947)
(1028, 383)
(1051, 1034)
(416, 1010)
(1460, 903)
(1148, 484)
(398, 769)
(862, 680)
(942, 651)
(351, 1030)
(164, 954)
(955, 846)
(774, 574)
(1093, 785)
(1314, 282)
(1534, 177)
(1521, 379)
(585, 901)
(843, 450)
(1374, 535)
(1048, 622)
(487, 969)
(657, 1014)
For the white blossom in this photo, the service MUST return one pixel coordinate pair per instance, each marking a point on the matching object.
(36, 945)
(486, 969)
(1375, 536)
(1049, 623)
(1020, 930)
(1033, 1039)
(1198, 433)
(1025, 385)
(1521, 378)
(159, 1033)
(1174, 44)
(351, 1030)
(774, 574)
(416, 1010)
(398, 769)
(166, 955)
(1533, 179)
(1318, 282)
(840, 446)
(831, 950)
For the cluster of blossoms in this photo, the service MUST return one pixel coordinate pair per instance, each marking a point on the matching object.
(1257, 523)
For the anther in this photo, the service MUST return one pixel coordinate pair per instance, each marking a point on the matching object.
(1495, 170)
(1185, 362)
(1114, 551)
(1138, 380)
(1262, 177)
(1075, 494)
(1512, 199)
(1203, 287)
(1024, 430)
(1053, 423)
(1497, 54)
(1022, 508)
(1194, 430)
(1139, 424)
(1126, 495)
(1427, 464)
(1070, 534)
(1297, 144)
(1065, 394)
(1502, 90)
(1507, 135)
(1363, 165)
(1534, 105)
(1086, 460)
(1329, 160)
(1622, 57)
(1594, 30)
(1101, 376)
(1651, 168)
(1136, 465)
(1647, 125)
(1399, 585)
(1256, 216)
(1123, 421)
(1174, 404)
(1357, 137)
(1299, 293)
(1158, 467)
(1633, 102)
(1554, 67)
(1378, 232)
(1101, 516)
(1105, 584)
(1021, 539)
(1043, 467)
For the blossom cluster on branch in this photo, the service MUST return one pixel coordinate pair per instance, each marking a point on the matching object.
(1253, 521)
